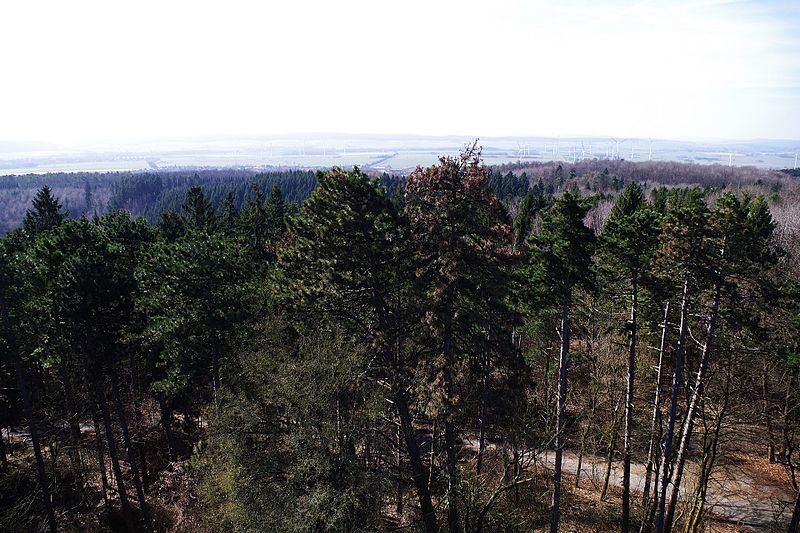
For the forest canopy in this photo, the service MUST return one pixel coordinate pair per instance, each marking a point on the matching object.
(289, 351)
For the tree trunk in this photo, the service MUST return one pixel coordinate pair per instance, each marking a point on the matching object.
(450, 445)
(145, 471)
(417, 468)
(215, 373)
(451, 456)
(656, 422)
(563, 361)
(666, 450)
(765, 412)
(612, 443)
(584, 435)
(699, 383)
(73, 445)
(609, 462)
(129, 451)
(166, 423)
(710, 453)
(484, 401)
(27, 404)
(112, 452)
(3, 456)
(433, 454)
(629, 392)
(101, 460)
(398, 450)
(794, 525)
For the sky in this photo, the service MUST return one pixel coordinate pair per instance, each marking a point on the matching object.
(88, 71)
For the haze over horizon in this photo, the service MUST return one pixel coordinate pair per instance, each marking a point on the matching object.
(96, 72)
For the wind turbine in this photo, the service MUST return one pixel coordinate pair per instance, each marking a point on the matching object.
(615, 154)
(618, 142)
(650, 154)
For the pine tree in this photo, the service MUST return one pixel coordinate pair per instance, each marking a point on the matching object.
(682, 259)
(198, 213)
(12, 317)
(739, 251)
(229, 214)
(461, 241)
(275, 215)
(45, 214)
(344, 262)
(629, 242)
(561, 261)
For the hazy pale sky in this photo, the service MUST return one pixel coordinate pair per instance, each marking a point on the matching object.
(80, 71)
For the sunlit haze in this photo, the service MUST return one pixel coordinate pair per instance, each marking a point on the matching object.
(81, 71)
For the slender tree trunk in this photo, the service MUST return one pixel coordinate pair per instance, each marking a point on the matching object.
(166, 423)
(666, 449)
(563, 361)
(699, 384)
(794, 525)
(126, 438)
(629, 398)
(766, 414)
(450, 445)
(112, 452)
(215, 373)
(417, 468)
(101, 460)
(145, 471)
(73, 449)
(609, 462)
(433, 454)
(612, 443)
(3, 456)
(656, 421)
(398, 450)
(584, 435)
(785, 418)
(53, 463)
(709, 459)
(517, 468)
(451, 457)
(484, 401)
(27, 404)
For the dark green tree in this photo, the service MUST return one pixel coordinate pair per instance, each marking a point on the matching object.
(561, 261)
(198, 213)
(45, 214)
(739, 252)
(683, 261)
(344, 264)
(629, 242)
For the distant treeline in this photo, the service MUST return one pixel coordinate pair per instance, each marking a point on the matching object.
(668, 173)
(149, 194)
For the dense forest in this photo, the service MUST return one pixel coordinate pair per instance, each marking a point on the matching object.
(149, 194)
(589, 347)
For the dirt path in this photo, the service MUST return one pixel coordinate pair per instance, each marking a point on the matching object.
(738, 493)
(733, 495)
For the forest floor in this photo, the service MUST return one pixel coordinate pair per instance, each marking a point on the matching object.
(746, 492)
